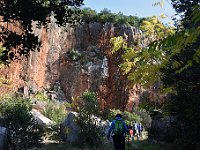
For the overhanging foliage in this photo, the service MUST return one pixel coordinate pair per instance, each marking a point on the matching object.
(23, 13)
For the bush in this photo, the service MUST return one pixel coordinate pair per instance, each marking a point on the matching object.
(74, 54)
(130, 117)
(90, 132)
(127, 116)
(24, 132)
(41, 96)
(56, 112)
(106, 15)
(145, 117)
(138, 115)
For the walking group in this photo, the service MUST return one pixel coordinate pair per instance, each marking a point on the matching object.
(118, 130)
(135, 131)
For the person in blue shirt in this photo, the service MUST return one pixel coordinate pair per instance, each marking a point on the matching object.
(118, 129)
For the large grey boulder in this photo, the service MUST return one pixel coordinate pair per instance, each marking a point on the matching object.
(101, 123)
(38, 105)
(3, 138)
(41, 119)
(69, 128)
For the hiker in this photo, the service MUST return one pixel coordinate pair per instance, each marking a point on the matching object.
(119, 129)
(131, 132)
(139, 128)
(136, 130)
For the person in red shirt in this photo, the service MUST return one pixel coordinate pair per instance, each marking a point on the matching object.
(131, 132)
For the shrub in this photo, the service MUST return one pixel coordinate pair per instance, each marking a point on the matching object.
(3, 80)
(148, 106)
(106, 15)
(130, 117)
(55, 111)
(74, 54)
(90, 132)
(145, 117)
(127, 116)
(41, 96)
(24, 132)
(138, 115)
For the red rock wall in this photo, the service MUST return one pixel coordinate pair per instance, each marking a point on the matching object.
(54, 64)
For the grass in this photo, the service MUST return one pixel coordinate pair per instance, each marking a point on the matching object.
(136, 145)
(146, 145)
(65, 146)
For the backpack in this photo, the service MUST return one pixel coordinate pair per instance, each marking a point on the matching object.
(118, 129)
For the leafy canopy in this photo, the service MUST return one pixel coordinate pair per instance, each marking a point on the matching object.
(22, 13)
(182, 73)
(142, 65)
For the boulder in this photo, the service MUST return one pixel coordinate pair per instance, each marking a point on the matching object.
(38, 105)
(41, 119)
(3, 138)
(69, 128)
(160, 129)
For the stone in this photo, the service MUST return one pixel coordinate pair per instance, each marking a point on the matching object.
(38, 105)
(92, 54)
(41, 119)
(69, 129)
(3, 138)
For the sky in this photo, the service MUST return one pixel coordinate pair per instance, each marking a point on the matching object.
(140, 8)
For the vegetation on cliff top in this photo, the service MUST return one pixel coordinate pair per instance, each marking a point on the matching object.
(106, 15)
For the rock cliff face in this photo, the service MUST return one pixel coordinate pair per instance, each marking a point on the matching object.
(78, 59)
